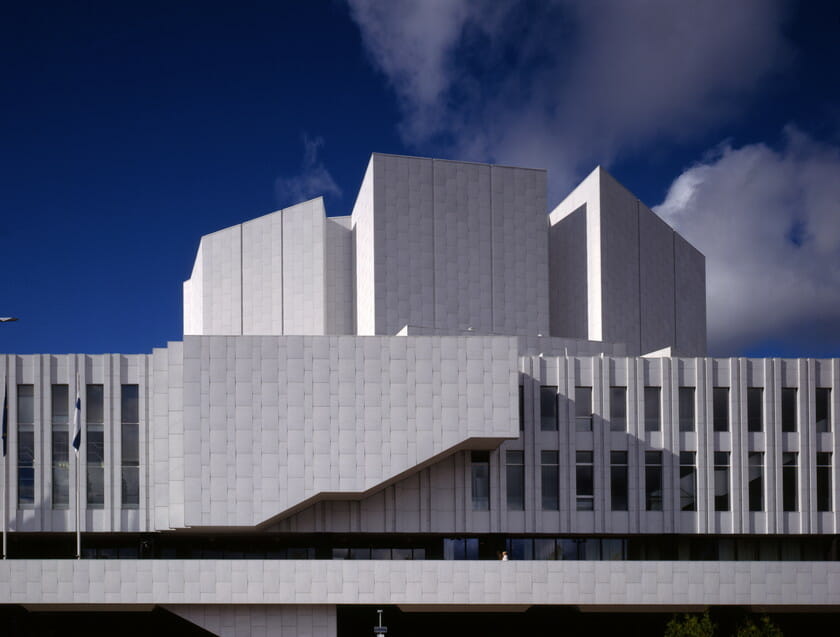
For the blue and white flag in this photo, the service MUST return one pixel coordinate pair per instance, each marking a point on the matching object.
(77, 422)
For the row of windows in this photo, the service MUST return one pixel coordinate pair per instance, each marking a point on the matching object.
(93, 437)
(653, 482)
(549, 411)
(364, 546)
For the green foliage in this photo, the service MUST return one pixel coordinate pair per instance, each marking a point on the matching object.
(758, 627)
(691, 626)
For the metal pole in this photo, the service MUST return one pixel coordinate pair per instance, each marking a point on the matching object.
(5, 417)
(78, 528)
(77, 415)
(5, 503)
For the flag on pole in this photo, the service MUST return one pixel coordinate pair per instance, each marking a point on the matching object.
(77, 422)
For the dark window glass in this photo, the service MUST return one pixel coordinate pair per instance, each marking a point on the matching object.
(26, 467)
(60, 406)
(570, 549)
(756, 480)
(720, 408)
(130, 403)
(520, 548)
(480, 480)
(823, 481)
(95, 468)
(688, 481)
(613, 549)
(130, 446)
(515, 465)
(584, 481)
(686, 400)
(548, 408)
(583, 408)
(60, 446)
(545, 548)
(822, 407)
(550, 474)
(618, 481)
(618, 408)
(755, 408)
(60, 470)
(788, 481)
(788, 409)
(26, 445)
(94, 404)
(521, 408)
(130, 487)
(653, 480)
(26, 404)
(653, 409)
(721, 480)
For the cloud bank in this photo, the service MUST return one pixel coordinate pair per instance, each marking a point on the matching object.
(565, 85)
(313, 179)
(768, 222)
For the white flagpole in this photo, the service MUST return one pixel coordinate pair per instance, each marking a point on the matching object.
(77, 438)
(5, 449)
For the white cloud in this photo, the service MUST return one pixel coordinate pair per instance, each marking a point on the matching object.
(768, 222)
(565, 85)
(313, 180)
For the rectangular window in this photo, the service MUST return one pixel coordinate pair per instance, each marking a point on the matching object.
(756, 480)
(550, 474)
(686, 399)
(618, 481)
(26, 445)
(95, 446)
(688, 481)
(720, 408)
(788, 409)
(653, 409)
(548, 408)
(653, 480)
(521, 408)
(515, 465)
(583, 408)
(755, 408)
(823, 481)
(584, 481)
(823, 409)
(789, 481)
(60, 447)
(618, 409)
(130, 445)
(721, 480)
(480, 480)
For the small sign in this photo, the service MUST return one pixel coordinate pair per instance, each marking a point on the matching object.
(380, 630)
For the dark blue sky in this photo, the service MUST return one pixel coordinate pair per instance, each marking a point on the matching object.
(131, 129)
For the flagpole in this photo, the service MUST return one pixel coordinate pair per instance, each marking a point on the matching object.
(77, 439)
(5, 473)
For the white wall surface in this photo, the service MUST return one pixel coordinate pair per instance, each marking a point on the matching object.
(340, 305)
(625, 584)
(262, 275)
(463, 273)
(520, 251)
(642, 283)
(328, 414)
(252, 620)
(403, 230)
(364, 251)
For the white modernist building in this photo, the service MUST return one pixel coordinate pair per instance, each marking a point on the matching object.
(366, 411)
